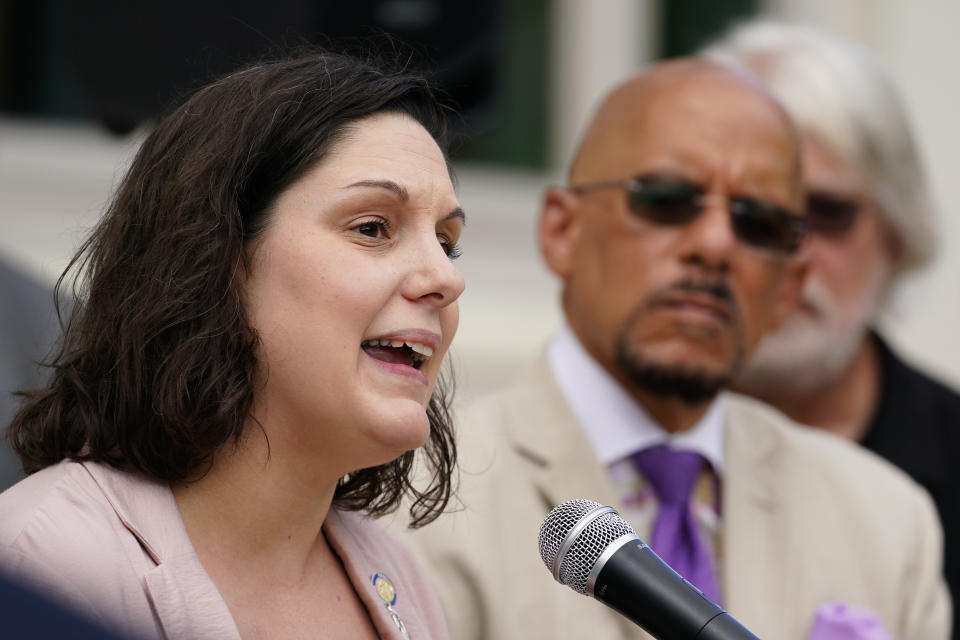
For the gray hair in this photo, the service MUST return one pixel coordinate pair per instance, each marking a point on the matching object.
(838, 92)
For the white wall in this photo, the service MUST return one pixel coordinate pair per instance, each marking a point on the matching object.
(54, 181)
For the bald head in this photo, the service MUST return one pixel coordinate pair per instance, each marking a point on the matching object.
(675, 237)
(680, 95)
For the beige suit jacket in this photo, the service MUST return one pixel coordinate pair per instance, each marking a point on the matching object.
(112, 545)
(807, 519)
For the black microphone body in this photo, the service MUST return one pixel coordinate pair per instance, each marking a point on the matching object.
(591, 549)
(642, 587)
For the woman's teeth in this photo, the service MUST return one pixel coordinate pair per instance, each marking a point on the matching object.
(418, 348)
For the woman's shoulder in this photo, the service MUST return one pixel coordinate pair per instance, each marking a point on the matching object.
(63, 530)
(52, 521)
(46, 501)
(67, 515)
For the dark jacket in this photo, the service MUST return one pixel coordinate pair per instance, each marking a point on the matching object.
(916, 426)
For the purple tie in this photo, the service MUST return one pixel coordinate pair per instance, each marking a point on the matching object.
(675, 537)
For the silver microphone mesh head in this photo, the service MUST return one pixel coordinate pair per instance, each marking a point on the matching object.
(558, 524)
(578, 561)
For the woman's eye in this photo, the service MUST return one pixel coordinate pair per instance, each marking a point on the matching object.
(372, 228)
(452, 250)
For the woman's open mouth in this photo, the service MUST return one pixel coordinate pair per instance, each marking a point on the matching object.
(405, 352)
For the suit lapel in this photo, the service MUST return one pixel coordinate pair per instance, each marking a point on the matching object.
(544, 431)
(755, 562)
(562, 465)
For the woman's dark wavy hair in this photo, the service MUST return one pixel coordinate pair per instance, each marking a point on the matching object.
(156, 369)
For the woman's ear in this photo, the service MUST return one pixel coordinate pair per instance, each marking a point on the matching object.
(558, 230)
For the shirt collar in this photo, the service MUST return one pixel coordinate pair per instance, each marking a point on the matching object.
(615, 424)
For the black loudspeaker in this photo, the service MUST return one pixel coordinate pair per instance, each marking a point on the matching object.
(133, 58)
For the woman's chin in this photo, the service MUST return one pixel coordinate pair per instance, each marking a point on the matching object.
(404, 431)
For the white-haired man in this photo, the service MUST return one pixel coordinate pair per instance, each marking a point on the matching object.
(870, 214)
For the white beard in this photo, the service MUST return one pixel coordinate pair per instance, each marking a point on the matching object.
(816, 344)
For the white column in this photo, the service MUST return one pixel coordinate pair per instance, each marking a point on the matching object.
(596, 44)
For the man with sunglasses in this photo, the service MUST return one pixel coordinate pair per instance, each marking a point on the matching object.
(871, 221)
(678, 241)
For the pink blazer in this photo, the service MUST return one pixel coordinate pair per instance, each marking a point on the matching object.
(112, 545)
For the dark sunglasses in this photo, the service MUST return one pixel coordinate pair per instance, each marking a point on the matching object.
(831, 215)
(670, 201)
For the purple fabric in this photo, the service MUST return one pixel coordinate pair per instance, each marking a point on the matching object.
(842, 622)
(675, 537)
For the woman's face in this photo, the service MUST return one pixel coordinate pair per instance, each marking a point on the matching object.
(354, 296)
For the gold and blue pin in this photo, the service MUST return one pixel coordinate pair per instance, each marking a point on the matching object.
(388, 593)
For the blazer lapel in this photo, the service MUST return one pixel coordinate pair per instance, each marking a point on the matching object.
(544, 431)
(562, 466)
(755, 561)
(185, 600)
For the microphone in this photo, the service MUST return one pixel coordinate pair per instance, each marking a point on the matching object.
(591, 549)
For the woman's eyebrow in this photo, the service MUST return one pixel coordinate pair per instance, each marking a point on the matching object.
(403, 195)
(389, 185)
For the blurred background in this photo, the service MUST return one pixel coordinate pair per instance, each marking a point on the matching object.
(81, 81)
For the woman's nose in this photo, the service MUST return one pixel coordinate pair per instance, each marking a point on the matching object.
(433, 276)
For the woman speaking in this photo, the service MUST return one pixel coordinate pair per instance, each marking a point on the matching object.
(252, 361)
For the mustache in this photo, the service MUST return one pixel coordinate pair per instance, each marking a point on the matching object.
(716, 288)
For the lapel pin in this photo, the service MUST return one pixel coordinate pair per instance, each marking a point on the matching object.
(388, 594)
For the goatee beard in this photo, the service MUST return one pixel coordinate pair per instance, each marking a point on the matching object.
(691, 386)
